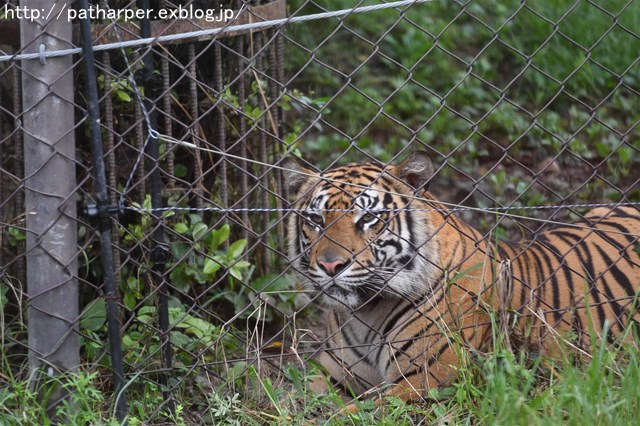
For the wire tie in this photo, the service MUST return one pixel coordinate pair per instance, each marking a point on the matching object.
(95, 210)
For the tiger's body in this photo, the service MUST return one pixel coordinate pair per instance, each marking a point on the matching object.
(403, 276)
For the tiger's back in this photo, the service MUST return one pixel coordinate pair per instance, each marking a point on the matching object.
(577, 277)
(408, 283)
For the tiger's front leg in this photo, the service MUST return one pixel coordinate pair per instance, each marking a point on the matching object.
(425, 353)
(410, 380)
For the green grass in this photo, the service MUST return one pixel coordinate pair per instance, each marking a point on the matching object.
(25, 402)
(501, 388)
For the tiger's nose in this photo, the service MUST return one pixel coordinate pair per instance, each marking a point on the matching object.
(332, 268)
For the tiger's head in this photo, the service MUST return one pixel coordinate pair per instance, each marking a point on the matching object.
(361, 231)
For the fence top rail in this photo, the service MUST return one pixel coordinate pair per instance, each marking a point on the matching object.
(42, 55)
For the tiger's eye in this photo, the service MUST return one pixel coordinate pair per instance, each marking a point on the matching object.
(368, 218)
(316, 218)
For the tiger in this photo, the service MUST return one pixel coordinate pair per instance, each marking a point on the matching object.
(400, 274)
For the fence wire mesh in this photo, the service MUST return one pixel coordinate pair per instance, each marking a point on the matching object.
(529, 111)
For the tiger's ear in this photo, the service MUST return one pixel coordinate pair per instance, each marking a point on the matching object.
(295, 174)
(416, 170)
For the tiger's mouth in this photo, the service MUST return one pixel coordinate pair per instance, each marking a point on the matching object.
(332, 287)
(334, 291)
(351, 295)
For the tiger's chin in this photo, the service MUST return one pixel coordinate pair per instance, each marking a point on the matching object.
(340, 299)
(352, 297)
(335, 295)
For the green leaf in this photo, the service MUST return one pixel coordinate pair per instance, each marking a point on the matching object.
(3, 297)
(196, 273)
(290, 138)
(461, 274)
(181, 228)
(199, 230)
(260, 283)
(180, 340)
(272, 284)
(197, 327)
(236, 249)
(195, 218)
(625, 154)
(132, 283)
(236, 371)
(128, 341)
(235, 273)
(180, 170)
(219, 236)
(146, 310)
(94, 316)
(211, 266)
(294, 375)
(180, 279)
(180, 250)
(16, 233)
(123, 96)
(129, 300)
(147, 202)
(270, 390)
(200, 276)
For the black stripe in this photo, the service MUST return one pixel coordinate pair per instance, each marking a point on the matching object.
(387, 200)
(624, 231)
(362, 382)
(621, 279)
(502, 251)
(392, 322)
(603, 234)
(577, 324)
(621, 212)
(395, 243)
(420, 369)
(453, 257)
(408, 216)
(550, 246)
(424, 331)
(555, 290)
(529, 279)
(584, 255)
(524, 282)
(354, 346)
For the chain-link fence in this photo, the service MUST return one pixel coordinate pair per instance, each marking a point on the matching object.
(170, 150)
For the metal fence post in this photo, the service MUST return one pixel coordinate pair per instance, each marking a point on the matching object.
(103, 213)
(50, 184)
(160, 253)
